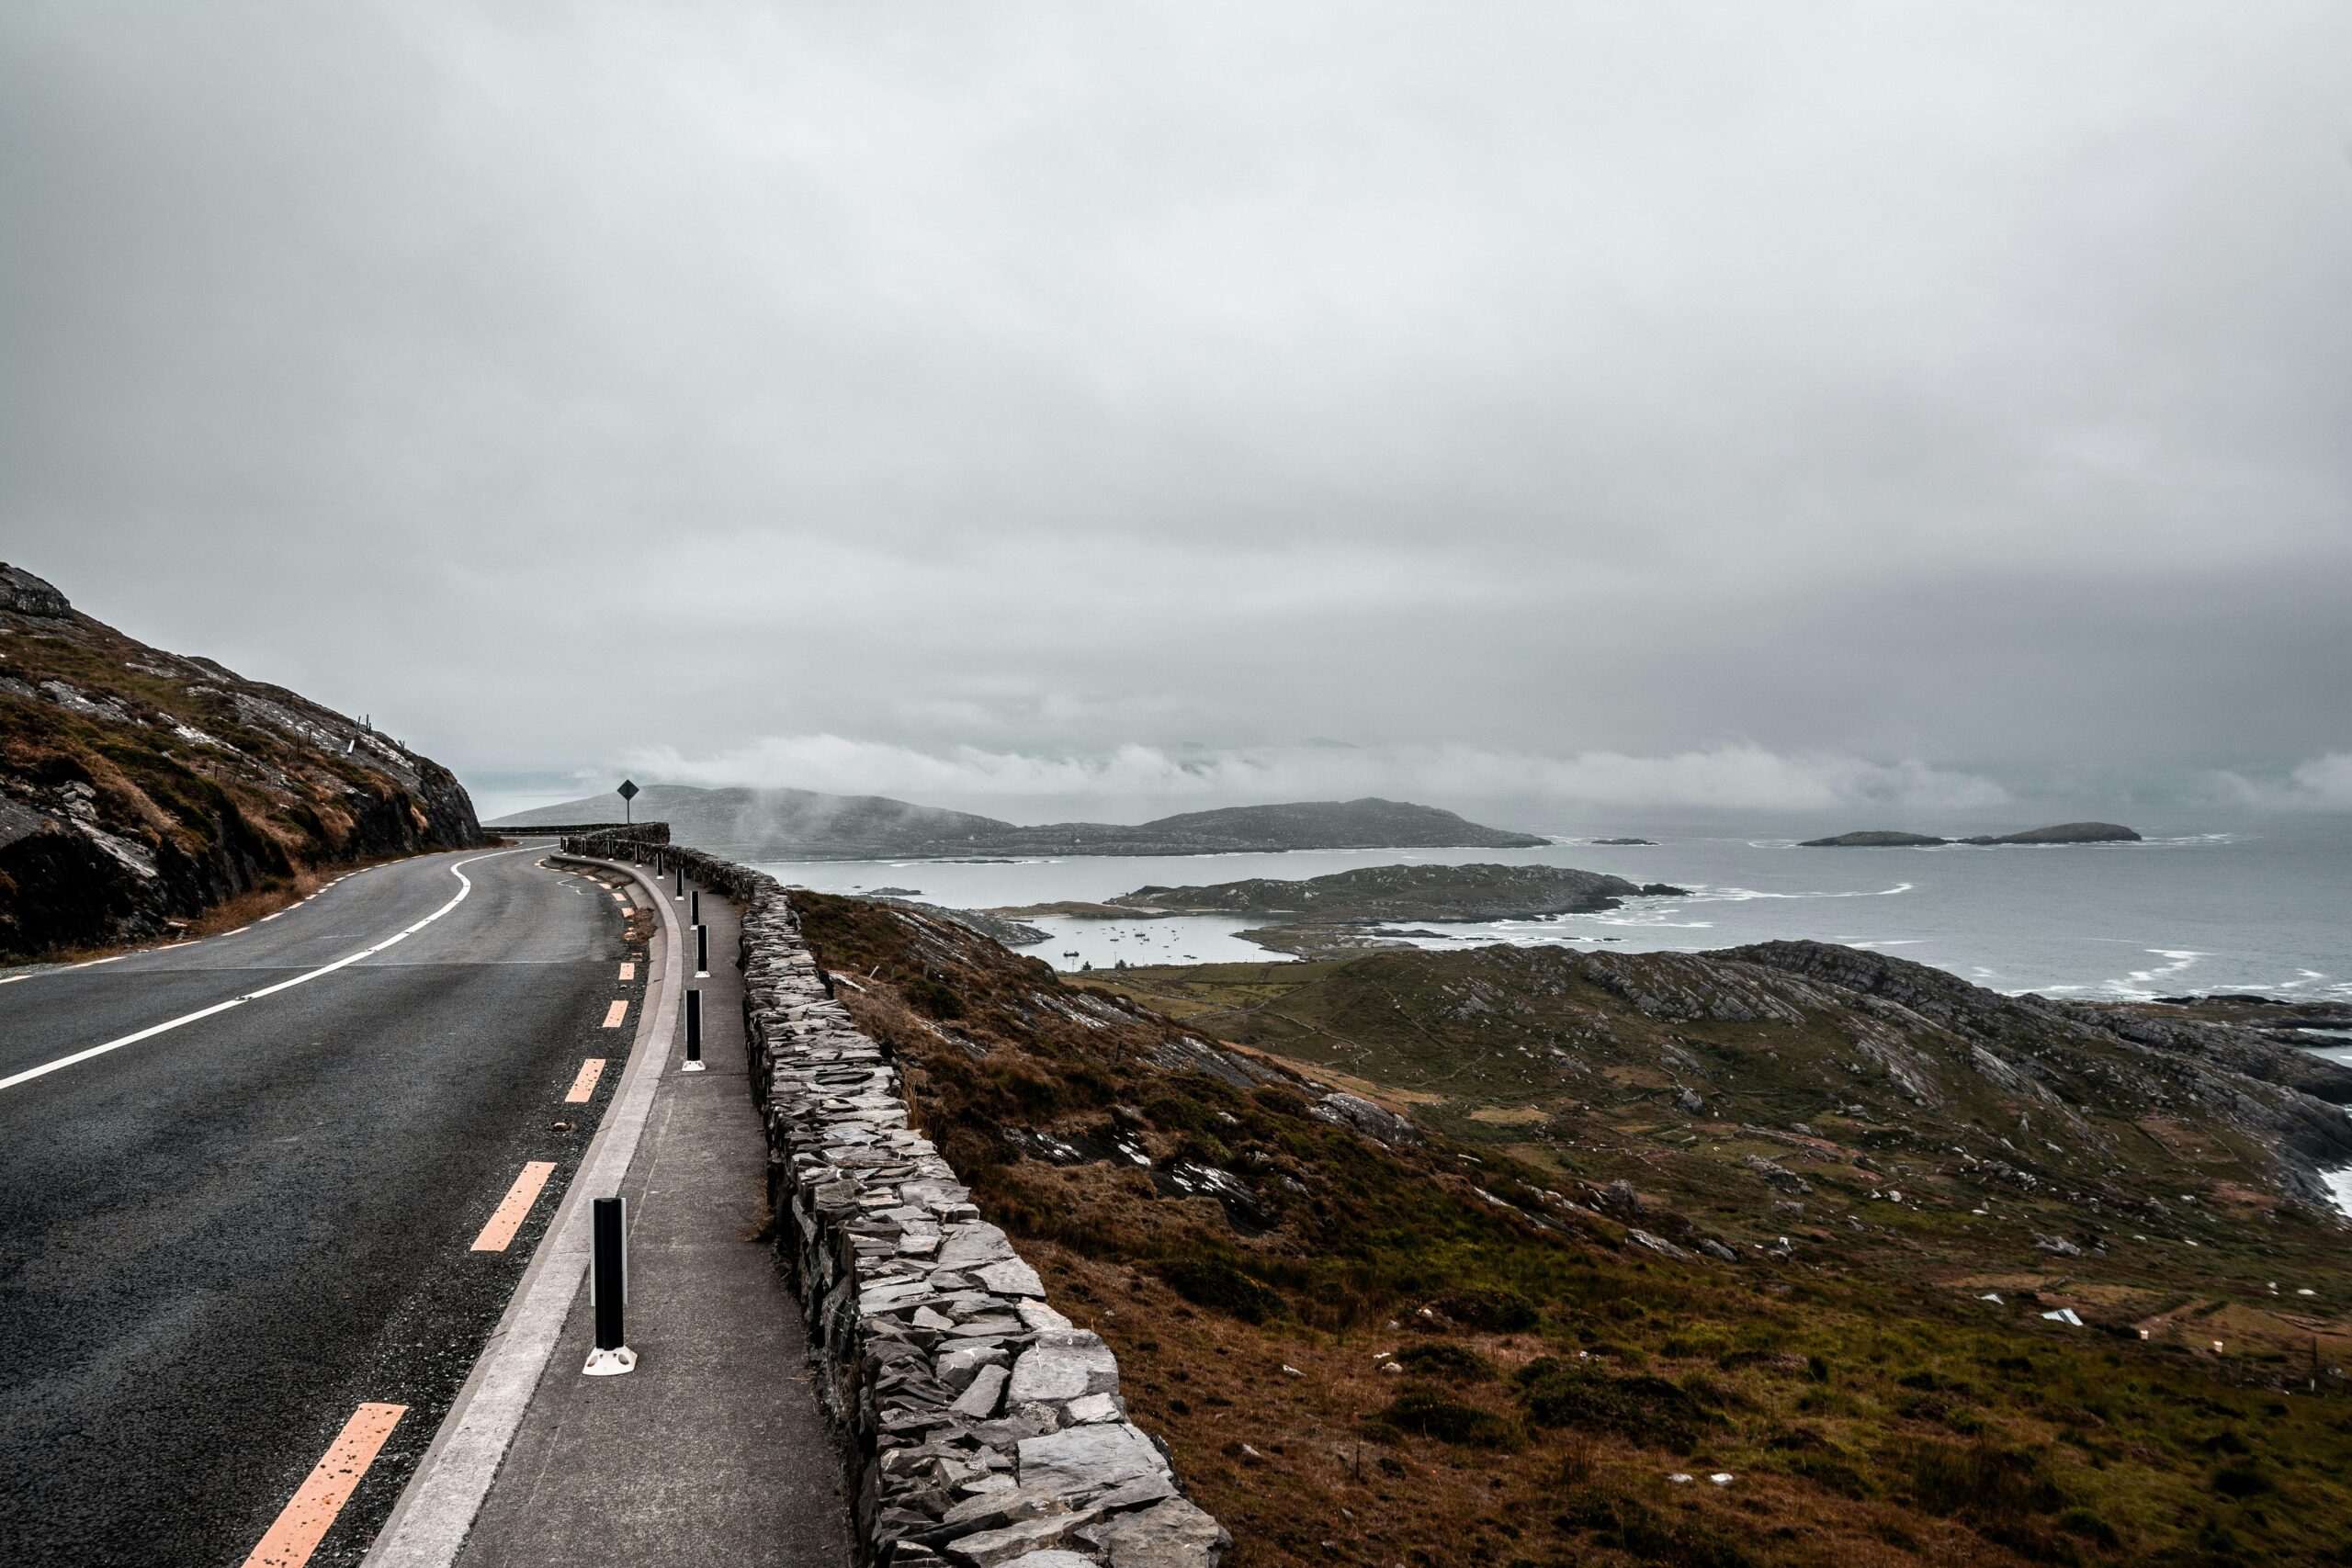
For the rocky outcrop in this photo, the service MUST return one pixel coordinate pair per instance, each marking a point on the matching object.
(22, 593)
(2282, 1098)
(993, 924)
(139, 788)
(982, 1428)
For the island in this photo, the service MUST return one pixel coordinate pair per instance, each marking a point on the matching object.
(2063, 833)
(1652, 843)
(1874, 839)
(1339, 912)
(2066, 833)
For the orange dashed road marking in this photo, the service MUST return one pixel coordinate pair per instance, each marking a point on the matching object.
(512, 1209)
(614, 1014)
(629, 971)
(310, 1513)
(584, 1088)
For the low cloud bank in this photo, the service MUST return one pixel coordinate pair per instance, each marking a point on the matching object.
(1735, 776)
(2323, 783)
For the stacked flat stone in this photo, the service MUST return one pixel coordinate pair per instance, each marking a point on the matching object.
(985, 1432)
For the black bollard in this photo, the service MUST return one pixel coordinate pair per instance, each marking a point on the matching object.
(694, 1033)
(702, 954)
(680, 874)
(608, 1288)
(694, 909)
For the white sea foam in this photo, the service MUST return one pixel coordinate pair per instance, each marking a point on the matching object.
(2138, 984)
(1700, 892)
(2339, 1187)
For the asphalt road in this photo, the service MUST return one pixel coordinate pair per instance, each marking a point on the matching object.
(215, 1243)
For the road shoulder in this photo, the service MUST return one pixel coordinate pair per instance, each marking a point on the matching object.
(429, 1524)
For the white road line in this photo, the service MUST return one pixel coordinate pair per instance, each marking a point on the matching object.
(464, 887)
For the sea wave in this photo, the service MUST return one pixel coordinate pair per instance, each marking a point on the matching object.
(2140, 983)
(1700, 892)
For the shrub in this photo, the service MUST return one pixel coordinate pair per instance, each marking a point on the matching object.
(939, 1000)
(1493, 1309)
(1984, 1480)
(1448, 1420)
(1646, 1409)
(1836, 1475)
(1214, 1281)
(2090, 1526)
(1634, 1528)
(1454, 1363)
(2241, 1480)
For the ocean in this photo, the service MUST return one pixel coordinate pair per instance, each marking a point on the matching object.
(2251, 906)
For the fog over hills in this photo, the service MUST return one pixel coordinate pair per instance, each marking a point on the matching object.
(798, 824)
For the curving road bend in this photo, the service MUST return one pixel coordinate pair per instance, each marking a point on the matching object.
(219, 1240)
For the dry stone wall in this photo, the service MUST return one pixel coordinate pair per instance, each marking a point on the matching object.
(983, 1428)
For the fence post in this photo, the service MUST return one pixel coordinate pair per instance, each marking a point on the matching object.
(694, 1034)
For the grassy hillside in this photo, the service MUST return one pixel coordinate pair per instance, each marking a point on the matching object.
(140, 788)
(1480, 1170)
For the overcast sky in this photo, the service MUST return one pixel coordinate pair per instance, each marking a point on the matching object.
(1722, 405)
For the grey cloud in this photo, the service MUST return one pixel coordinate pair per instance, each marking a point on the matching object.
(1958, 386)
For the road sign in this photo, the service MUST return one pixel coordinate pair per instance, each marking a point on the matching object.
(628, 792)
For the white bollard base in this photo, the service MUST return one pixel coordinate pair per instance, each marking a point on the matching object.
(609, 1363)
(692, 1067)
(702, 974)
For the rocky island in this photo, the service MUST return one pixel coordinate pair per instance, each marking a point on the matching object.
(1339, 911)
(140, 789)
(2063, 833)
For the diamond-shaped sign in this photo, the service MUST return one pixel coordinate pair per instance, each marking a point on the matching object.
(627, 790)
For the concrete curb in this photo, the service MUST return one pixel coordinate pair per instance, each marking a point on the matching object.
(429, 1524)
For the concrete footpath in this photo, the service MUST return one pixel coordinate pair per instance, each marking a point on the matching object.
(713, 1449)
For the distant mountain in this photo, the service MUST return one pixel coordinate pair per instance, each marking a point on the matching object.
(798, 824)
(782, 824)
(139, 788)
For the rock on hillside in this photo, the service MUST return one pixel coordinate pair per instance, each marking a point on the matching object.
(799, 824)
(140, 787)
